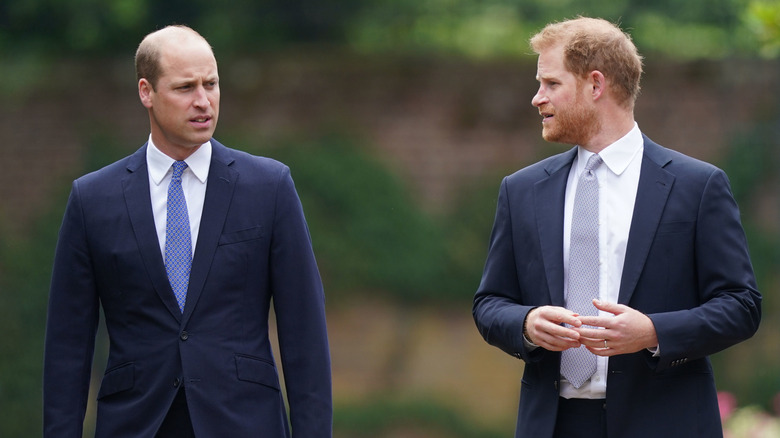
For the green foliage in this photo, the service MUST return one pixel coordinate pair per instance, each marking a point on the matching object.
(25, 272)
(487, 28)
(103, 27)
(762, 17)
(751, 164)
(752, 422)
(467, 229)
(687, 30)
(390, 417)
(659, 33)
(367, 232)
(26, 269)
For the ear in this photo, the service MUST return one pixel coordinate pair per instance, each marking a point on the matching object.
(598, 83)
(145, 92)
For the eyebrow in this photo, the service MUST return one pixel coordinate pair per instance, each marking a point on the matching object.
(190, 80)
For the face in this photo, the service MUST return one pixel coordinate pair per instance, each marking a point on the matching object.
(563, 100)
(184, 104)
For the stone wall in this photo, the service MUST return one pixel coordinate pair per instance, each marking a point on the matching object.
(440, 124)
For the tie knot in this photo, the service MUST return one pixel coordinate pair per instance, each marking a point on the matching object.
(593, 162)
(178, 169)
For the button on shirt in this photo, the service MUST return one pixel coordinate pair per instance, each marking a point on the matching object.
(618, 182)
(193, 182)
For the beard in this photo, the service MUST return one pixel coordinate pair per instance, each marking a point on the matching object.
(575, 125)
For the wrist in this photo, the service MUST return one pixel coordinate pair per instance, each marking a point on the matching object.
(525, 326)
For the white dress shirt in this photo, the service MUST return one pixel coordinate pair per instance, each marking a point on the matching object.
(193, 182)
(618, 182)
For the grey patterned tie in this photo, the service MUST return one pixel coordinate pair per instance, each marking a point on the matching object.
(578, 364)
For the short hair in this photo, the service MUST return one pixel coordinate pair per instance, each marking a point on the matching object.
(147, 57)
(596, 44)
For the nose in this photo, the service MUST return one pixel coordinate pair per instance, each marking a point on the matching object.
(539, 98)
(201, 98)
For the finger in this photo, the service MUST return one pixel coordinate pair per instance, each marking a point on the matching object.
(596, 321)
(604, 352)
(561, 336)
(559, 344)
(556, 337)
(597, 334)
(594, 342)
(606, 306)
(565, 317)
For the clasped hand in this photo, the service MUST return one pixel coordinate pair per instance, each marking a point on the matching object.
(626, 330)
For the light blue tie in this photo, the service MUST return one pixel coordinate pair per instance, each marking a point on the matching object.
(178, 244)
(579, 364)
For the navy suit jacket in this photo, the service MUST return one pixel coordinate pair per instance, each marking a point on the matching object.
(687, 267)
(253, 249)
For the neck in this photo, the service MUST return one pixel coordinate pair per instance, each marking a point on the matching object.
(613, 127)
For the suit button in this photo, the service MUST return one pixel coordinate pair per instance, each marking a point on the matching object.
(184, 336)
(176, 382)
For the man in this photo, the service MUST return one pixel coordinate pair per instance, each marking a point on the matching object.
(185, 264)
(614, 295)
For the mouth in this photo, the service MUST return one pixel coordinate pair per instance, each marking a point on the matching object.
(201, 121)
(546, 116)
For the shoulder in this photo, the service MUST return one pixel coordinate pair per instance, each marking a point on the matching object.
(677, 163)
(543, 169)
(246, 164)
(112, 174)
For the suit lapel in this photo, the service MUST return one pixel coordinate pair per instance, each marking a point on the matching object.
(655, 183)
(219, 192)
(549, 195)
(139, 208)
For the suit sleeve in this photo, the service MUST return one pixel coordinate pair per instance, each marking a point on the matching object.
(730, 304)
(70, 328)
(498, 310)
(299, 304)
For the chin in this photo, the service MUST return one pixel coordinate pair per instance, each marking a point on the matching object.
(552, 137)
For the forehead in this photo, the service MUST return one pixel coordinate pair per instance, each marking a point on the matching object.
(550, 63)
(187, 58)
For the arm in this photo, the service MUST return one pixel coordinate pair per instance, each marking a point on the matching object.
(70, 328)
(499, 310)
(299, 304)
(728, 307)
(730, 304)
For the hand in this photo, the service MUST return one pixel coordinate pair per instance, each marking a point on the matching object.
(628, 331)
(543, 328)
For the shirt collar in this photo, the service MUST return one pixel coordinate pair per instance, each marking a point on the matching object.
(160, 164)
(618, 155)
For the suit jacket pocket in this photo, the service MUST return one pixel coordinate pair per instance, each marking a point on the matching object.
(117, 379)
(256, 370)
(241, 235)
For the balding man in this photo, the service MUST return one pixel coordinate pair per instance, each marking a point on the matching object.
(185, 244)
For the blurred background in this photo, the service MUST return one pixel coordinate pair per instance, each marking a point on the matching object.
(398, 119)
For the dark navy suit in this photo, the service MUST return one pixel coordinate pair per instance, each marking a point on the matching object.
(253, 249)
(687, 267)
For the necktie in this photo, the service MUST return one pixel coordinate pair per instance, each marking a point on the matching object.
(578, 364)
(178, 245)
